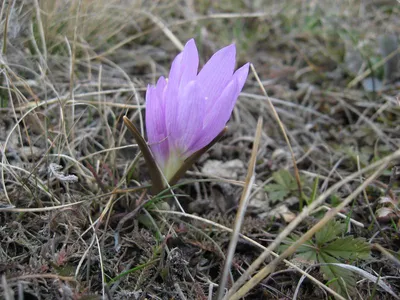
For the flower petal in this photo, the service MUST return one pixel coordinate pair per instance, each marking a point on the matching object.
(190, 118)
(241, 75)
(187, 111)
(175, 72)
(185, 65)
(160, 90)
(189, 64)
(155, 125)
(216, 119)
(217, 72)
(171, 107)
(172, 89)
(183, 70)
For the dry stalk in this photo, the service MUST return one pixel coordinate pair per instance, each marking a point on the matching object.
(282, 127)
(316, 203)
(217, 225)
(305, 237)
(244, 200)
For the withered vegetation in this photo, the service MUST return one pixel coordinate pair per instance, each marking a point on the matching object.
(76, 219)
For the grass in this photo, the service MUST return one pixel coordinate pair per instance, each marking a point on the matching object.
(76, 220)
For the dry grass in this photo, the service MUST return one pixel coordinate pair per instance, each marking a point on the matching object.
(76, 221)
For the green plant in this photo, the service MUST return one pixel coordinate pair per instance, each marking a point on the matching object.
(285, 184)
(329, 247)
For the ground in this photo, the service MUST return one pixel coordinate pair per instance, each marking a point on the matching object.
(77, 217)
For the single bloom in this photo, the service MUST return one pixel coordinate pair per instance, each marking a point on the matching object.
(185, 112)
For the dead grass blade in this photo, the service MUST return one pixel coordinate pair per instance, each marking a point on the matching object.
(41, 30)
(282, 127)
(169, 34)
(305, 237)
(250, 240)
(244, 200)
(390, 256)
(316, 203)
(38, 209)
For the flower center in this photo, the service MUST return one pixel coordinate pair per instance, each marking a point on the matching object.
(174, 162)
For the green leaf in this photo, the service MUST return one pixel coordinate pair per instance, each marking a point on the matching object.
(348, 248)
(285, 179)
(285, 183)
(3, 102)
(307, 251)
(314, 192)
(65, 270)
(329, 247)
(329, 232)
(345, 281)
(276, 192)
(137, 268)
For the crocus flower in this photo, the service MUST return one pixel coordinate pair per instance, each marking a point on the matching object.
(185, 112)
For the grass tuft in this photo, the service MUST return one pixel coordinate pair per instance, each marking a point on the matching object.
(76, 218)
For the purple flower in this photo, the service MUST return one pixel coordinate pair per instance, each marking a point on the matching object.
(185, 112)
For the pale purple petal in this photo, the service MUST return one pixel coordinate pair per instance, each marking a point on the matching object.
(241, 75)
(190, 115)
(171, 107)
(183, 70)
(189, 64)
(160, 90)
(223, 106)
(172, 91)
(151, 120)
(155, 125)
(176, 69)
(217, 72)
(187, 111)
(185, 65)
(216, 119)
